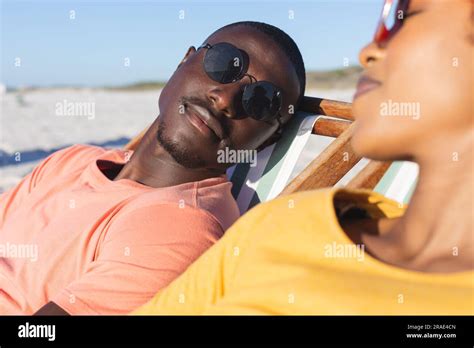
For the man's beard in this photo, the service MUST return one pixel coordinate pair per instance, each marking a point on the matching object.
(179, 152)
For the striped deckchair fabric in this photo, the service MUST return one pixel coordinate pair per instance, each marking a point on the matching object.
(399, 182)
(275, 165)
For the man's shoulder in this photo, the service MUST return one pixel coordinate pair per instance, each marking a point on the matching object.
(76, 153)
(214, 195)
(70, 158)
(210, 199)
(64, 161)
(163, 221)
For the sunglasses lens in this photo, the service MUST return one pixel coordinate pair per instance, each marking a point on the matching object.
(393, 13)
(224, 63)
(261, 100)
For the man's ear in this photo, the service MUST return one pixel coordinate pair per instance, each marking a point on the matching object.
(271, 140)
(190, 51)
(276, 135)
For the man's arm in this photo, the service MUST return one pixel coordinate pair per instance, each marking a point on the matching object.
(142, 252)
(51, 308)
(201, 285)
(208, 279)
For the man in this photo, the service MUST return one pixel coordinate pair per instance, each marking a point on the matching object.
(111, 228)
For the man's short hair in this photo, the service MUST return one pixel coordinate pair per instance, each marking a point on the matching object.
(286, 43)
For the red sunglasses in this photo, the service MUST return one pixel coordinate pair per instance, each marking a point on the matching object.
(391, 20)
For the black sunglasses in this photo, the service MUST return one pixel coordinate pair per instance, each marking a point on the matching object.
(225, 63)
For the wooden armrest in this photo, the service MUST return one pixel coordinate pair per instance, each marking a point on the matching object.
(327, 107)
(369, 177)
(329, 167)
(330, 127)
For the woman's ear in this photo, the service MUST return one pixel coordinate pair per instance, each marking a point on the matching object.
(190, 51)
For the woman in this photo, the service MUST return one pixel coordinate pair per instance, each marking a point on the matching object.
(356, 252)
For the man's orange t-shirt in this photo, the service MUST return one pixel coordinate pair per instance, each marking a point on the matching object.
(70, 235)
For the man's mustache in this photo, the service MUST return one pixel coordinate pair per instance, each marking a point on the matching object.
(200, 102)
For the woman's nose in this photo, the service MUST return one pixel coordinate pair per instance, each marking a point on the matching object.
(370, 54)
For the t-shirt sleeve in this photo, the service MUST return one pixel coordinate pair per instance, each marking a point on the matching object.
(142, 252)
(208, 279)
(55, 164)
(200, 286)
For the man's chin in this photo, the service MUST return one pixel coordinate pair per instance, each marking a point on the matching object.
(182, 154)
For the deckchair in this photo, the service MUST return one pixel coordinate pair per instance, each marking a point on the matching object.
(291, 165)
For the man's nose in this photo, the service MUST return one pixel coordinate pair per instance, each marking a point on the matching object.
(225, 99)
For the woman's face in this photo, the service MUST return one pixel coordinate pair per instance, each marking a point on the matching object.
(422, 83)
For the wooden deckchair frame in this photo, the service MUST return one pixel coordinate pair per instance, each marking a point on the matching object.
(336, 160)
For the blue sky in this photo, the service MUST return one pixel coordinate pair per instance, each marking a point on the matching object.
(92, 48)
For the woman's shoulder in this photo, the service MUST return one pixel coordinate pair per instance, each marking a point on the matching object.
(309, 214)
(325, 203)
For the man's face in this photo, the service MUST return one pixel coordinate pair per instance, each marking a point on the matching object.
(191, 90)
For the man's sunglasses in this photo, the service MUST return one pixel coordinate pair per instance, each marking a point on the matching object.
(225, 63)
(391, 20)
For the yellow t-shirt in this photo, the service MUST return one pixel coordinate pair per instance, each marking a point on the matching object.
(290, 256)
